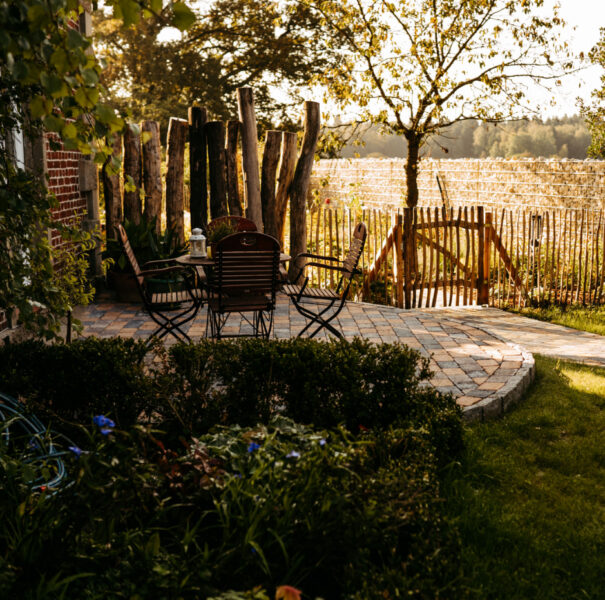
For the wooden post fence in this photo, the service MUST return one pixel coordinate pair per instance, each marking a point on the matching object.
(198, 192)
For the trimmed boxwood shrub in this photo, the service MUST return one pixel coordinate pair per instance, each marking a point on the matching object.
(359, 384)
(76, 381)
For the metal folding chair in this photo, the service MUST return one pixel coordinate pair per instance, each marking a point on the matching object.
(189, 299)
(320, 306)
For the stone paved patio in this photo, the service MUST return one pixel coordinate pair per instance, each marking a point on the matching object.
(485, 372)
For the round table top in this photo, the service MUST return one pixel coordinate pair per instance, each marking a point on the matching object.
(187, 259)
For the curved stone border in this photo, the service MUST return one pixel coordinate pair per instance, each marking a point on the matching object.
(497, 404)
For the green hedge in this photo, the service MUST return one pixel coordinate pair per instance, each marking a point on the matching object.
(76, 381)
(197, 386)
(359, 384)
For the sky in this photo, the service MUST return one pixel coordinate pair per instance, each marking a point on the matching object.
(587, 16)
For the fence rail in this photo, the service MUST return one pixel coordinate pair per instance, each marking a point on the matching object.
(432, 256)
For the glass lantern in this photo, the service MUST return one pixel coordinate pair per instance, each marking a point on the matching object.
(197, 244)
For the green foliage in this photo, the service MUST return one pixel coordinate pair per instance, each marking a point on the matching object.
(218, 231)
(146, 244)
(333, 515)
(595, 113)
(528, 498)
(359, 384)
(40, 283)
(71, 383)
(234, 43)
(415, 67)
(49, 81)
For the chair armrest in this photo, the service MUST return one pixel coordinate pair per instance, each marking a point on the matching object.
(309, 255)
(151, 263)
(329, 267)
(164, 271)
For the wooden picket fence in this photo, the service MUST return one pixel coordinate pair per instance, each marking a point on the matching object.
(427, 257)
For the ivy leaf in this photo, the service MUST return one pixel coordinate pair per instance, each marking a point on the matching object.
(37, 107)
(182, 16)
(128, 10)
(69, 131)
(53, 123)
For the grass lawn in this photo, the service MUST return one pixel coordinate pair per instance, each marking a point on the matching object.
(530, 498)
(585, 318)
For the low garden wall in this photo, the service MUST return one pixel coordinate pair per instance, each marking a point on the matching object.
(380, 182)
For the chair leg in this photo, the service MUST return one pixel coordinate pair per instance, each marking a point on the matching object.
(317, 318)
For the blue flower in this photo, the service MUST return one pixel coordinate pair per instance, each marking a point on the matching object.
(322, 442)
(77, 451)
(106, 430)
(253, 446)
(293, 454)
(103, 421)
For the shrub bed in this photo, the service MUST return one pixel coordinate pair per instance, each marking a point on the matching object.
(209, 481)
(335, 515)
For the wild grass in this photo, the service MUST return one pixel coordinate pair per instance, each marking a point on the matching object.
(529, 499)
(585, 318)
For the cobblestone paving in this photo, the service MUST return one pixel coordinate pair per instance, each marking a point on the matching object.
(485, 372)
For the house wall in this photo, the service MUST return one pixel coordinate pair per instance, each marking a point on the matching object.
(63, 169)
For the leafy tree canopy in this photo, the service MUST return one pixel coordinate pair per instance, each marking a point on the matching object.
(418, 66)
(261, 43)
(595, 112)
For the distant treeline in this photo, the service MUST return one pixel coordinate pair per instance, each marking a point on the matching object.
(565, 137)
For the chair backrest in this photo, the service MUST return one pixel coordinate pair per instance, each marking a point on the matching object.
(354, 254)
(132, 259)
(239, 223)
(247, 263)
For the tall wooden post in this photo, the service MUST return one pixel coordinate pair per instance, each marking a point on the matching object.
(284, 180)
(111, 191)
(300, 183)
(481, 291)
(487, 241)
(152, 173)
(198, 196)
(175, 175)
(399, 274)
(245, 103)
(132, 169)
(235, 205)
(267, 189)
(408, 258)
(215, 138)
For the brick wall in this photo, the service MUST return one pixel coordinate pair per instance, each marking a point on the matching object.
(376, 182)
(63, 182)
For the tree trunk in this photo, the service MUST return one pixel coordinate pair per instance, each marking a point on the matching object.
(152, 173)
(245, 103)
(300, 184)
(284, 180)
(215, 138)
(132, 169)
(267, 188)
(198, 195)
(411, 169)
(235, 205)
(175, 150)
(111, 192)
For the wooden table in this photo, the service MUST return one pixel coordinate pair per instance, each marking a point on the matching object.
(188, 260)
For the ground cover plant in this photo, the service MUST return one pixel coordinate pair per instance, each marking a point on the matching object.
(528, 499)
(345, 507)
(584, 318)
